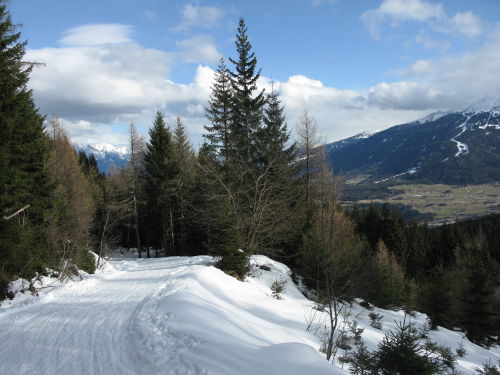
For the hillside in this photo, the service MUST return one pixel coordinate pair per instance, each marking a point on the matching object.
(180, 315)
(461, 147)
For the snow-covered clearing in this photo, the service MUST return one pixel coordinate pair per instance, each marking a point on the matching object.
(179, 315)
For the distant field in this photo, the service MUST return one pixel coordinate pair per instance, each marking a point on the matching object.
(445, 201)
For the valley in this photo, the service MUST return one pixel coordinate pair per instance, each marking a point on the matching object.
(441, 203)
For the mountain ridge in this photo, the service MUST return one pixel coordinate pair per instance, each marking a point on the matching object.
(445, 147)
(106, 155)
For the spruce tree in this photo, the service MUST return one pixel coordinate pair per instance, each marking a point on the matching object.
(477, 303)
(248, 102)
(274, 135)
(161, 174)
(184, 186)
(24, 183)
(219, 113)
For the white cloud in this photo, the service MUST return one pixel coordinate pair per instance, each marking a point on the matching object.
(96, 89)
(86, 132)
(466, 23)
(91, 86)
(393, 13)
(430, 43)
(199, 16)
(98, 34)
(200, 48)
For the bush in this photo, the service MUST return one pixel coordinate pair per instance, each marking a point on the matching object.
(87, 262)
(375, 320)
(361, 361)
(234, 263)
(401, 352)
(488, 369)
(277, 287)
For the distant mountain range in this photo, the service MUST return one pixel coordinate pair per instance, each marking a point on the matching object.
(106, 155)
(460, 147)
(457, 147)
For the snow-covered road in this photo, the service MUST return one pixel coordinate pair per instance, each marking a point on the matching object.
(88, 329)
(181, 315)
(155, 316)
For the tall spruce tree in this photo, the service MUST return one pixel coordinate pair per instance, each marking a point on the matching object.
(218, 113)
(274, 135)
(184, 186)
(161, 174)
(24, 183)
(248, 102)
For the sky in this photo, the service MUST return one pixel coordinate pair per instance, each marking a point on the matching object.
(356, 66)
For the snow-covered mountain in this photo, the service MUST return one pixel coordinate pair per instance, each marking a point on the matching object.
(348, 141)
(459, 147)
(107, 155)
(181, 315)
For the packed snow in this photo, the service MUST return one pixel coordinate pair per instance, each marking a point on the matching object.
(463, 149)
(181, 315)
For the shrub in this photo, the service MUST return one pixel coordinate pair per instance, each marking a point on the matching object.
(87, 262)
(277, 287)
(401, 352)
(375, 320)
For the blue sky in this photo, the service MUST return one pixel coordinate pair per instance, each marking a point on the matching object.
(355, 65)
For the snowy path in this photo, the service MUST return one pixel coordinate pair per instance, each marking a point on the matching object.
(89, 329)
(159, 316)
(181, 316)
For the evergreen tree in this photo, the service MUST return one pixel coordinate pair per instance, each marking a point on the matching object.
(248, 103)
(135, 174)
(185, 183)
(161, 174)
(24, 182)
(401, 352)
(477, 305)
(219, 113)
(274, 135)
(389, 284)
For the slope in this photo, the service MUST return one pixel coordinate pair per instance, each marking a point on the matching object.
(453, 148)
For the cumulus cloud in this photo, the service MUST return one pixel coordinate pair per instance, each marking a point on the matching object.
(86, 132)
(200, 48)
(98, 34)
(392, 13)
(199, 16)
(97, 88)
(466, 23)
(92, 85)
